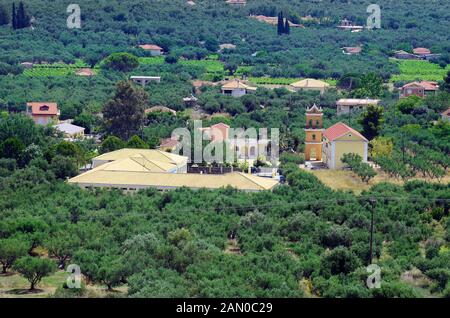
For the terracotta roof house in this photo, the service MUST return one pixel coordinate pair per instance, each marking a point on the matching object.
(85, 72)
(168, 144)
(420, 89)
(236, 88)
(43, 113)
(403, 55)
(352, 50)
(446, 115)
(421, 51)
(346, 105)
(310, 84)
(418, 54)
(154, 49)
(340, 139)
(217, 132)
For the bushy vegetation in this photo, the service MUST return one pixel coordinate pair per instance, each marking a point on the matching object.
(362, 169)
(118, 27)
(302, 239)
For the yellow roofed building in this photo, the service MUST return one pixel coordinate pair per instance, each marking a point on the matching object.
(310, 84)
(167, 161)
(135, 169)
(236, 88)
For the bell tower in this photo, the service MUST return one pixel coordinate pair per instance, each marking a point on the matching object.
(313, 130)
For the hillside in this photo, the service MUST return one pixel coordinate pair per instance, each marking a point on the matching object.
(309, 229)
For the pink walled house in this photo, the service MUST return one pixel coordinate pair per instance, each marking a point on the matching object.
(43, 113)
(217, 132)
(420, 89)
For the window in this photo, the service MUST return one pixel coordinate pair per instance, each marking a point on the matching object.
(314, 137)
(310, 123)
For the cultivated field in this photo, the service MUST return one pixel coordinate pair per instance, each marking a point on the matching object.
(411, 70)
(347, 180)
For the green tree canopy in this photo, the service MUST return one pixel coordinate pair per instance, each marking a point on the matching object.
(34, 269)
(10, 250)
(124, 114)
(123, 62)
(136, 142)
(112, 143)
(372, 121)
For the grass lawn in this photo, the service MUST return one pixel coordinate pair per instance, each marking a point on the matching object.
(411, 70)
(13, 285)
(346, 180)
(211, 66)
(152, 60)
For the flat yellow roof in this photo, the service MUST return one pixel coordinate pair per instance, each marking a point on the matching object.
(137, 163)
(163, 180)
(149, 154)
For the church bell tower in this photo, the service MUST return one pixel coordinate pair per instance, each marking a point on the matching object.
(313, 130)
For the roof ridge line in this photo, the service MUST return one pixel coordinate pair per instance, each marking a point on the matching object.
(245, 176)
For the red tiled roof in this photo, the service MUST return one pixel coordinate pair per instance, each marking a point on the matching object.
(168, 142)
(220, 125)
(85, 72)
(150, 47)
(446, 113)
(417, 84)
(353, 50)
(430, 86)
(426, 85)
(421, 50)
(43, 108)
(339, 129)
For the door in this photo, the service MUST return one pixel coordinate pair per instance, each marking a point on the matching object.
(313, 154)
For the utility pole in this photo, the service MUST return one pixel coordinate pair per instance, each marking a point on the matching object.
(373, 202)
(349, 115)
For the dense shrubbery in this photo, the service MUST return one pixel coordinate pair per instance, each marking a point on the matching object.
(176, 244)
(117, 27)
(172, 244)
(362, 169)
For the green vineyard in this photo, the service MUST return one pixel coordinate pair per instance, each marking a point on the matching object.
(411, 70)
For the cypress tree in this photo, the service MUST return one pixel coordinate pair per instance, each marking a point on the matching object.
(287, 28)
(22, 19)
(14, 16)
(4, 18)
(280, 23)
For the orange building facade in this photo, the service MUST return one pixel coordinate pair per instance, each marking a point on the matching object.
(314, 133)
